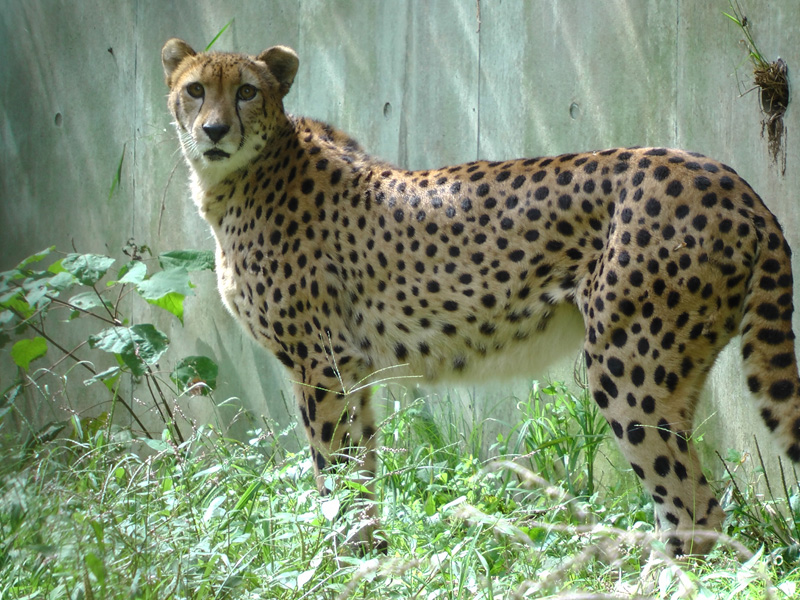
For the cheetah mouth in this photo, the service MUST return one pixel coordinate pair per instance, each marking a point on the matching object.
(216, 154)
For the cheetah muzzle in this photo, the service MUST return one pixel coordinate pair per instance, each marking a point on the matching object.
(342, 265)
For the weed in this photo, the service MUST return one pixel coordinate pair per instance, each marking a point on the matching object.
(561, 434)
(212, 517)
(39, 307)
(771, 78)
(768, 520)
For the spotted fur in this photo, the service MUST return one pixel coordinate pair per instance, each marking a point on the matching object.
(342, 265)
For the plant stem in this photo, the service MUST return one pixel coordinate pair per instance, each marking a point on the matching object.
(86, 365)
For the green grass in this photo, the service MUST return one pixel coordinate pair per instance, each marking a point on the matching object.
(219, 518)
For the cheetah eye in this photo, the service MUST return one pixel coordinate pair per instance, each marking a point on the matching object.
(195, 90)
(246, 92)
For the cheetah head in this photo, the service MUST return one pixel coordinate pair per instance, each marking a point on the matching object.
(227, 107)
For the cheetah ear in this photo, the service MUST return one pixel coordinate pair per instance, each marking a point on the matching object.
(282, 62)
(172, 55)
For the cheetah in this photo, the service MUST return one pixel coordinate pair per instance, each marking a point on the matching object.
(342, 265)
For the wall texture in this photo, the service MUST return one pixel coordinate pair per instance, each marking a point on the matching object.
(418, 83)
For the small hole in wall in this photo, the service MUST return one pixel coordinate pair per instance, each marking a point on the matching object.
(574, 110)
(387, 110)
(58, 119)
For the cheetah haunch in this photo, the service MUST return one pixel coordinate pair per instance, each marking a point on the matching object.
(341, 265)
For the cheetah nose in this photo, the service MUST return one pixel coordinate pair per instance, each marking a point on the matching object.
(216, 131)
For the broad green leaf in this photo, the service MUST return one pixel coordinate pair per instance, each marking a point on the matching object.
(110, 373)
(134, 272)
(214, 509)
(96, 566)
(10, 297)
(56, 268)
(88, 268)
(167, 289)
(305, 577)
(88, 300)
(15, 302)
(193, 370)
(62, 280)
(136, 346)
(169, 281)
(191, 260)
(173, 303)
(25, 351)
(37, 293)
(157, 445)
(34, 258)
(430, 506)
(330, 508)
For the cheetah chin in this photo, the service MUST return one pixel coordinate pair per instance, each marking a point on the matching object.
(342, 265)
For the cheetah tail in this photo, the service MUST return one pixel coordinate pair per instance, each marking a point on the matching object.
(767, 338)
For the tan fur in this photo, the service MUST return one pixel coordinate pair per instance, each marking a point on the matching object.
(342, 265)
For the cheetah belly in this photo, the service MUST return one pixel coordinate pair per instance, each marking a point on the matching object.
(561, 338)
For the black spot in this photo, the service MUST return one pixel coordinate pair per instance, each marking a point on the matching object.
(772, 337)
(616, 367)
(636, 432)
(619, 337)
(768, 311)
(660, 173)
(564, 228)
(782, 360)
(637, 376)
(564, 178)
(699, 222)
(653, 207)
(664, 430)
(285, 359)
(609, 386)
(627, 307)
(701, 182)
(783, 389)
(661, 466)
(327, 431)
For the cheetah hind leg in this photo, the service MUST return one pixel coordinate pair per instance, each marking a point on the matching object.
(342, 436)
(651, 414)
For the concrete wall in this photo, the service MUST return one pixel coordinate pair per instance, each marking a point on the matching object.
(418, 83)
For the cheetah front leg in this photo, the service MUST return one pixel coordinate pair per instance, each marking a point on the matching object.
(340, 426)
